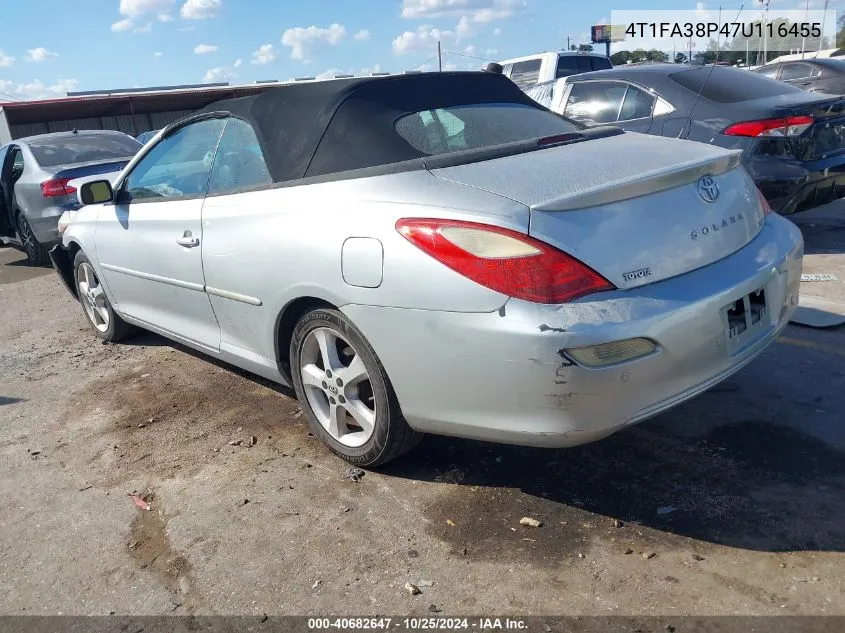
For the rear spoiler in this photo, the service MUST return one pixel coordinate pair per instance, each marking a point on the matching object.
(643, 184)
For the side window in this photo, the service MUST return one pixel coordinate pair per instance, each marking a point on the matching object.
(662, 107)
(17, 163)
(177, 166)
(239, 163)
(795, 71)
(507, 69)
(770, 72)
(567, 65)
(595, 102)
(600, 63)
(638, 104)
(526, 73)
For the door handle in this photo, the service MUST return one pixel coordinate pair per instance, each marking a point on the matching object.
(188, 240)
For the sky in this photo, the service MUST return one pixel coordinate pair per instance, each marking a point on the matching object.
(50, 47)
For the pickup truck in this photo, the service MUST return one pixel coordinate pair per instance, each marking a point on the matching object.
(545, 67)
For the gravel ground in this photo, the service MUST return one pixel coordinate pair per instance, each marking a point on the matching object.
(730, 504)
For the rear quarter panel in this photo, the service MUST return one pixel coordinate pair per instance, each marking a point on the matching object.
(282, 244)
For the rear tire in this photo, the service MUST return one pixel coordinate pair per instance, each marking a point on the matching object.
(36, 254)
(98, 310)
(345, 392)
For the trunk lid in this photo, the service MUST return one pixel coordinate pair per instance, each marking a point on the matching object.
(628, 206)
(80, 173)
(824, 138)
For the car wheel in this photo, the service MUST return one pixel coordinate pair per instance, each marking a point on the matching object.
(106, 323)
(36, 254)
(345, 392)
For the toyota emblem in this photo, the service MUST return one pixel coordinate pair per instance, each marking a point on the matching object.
(708, 189)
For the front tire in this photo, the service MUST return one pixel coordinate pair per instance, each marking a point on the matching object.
(36, 254)
(98, 310)
(345, 392)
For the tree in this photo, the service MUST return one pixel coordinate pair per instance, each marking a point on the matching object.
(573, 47)
(585, 48)
(655, 55)
(680, 58)
(840, 35)
(620, 58)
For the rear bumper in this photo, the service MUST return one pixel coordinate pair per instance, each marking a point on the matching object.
(791, 187)
(45, 224)
(505, 376)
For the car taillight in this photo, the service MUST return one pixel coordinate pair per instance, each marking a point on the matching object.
(767, 208)
(57, 187)
(503, 260)
(790, 126)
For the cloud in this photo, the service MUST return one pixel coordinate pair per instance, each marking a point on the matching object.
(137, 8)
(464, 27)
(362, 35)
(122, 25)
(222, 73)
(370, 71)
(330, 73)
(476, 10)
(200, 9)
(265, 54)
(700, 6)
(36, 89)
(132, 10)
(497, 32)
(39, 54)
(158, 54)
(205, 49)
(216, 75)
(423, 39)
(5, 60)
(187, 29)
(304, 42)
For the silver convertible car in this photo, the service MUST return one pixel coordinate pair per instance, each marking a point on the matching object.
(438, 253)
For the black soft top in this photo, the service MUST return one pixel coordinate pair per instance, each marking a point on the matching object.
(324, 127)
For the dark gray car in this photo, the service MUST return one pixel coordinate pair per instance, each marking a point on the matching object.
(813, 75)
(35, 181)
(793, 142)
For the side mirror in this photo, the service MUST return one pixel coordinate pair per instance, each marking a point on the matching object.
(96, 192)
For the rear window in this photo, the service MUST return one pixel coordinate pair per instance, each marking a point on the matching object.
(730, 85)
(468, 127)
(83, 148)
(573, 64)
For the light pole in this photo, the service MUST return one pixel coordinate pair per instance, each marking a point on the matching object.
(765, 4)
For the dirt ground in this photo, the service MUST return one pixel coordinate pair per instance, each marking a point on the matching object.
(731, 504)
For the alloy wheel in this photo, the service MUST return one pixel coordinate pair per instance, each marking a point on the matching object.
(92, 297)
(337, 386)
(30, 246)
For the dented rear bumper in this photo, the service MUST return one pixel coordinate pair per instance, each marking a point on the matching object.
(506, 376)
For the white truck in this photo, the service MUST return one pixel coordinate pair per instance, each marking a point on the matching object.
(540, 68)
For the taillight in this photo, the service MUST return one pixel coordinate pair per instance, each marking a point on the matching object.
(503, 260)
(57, 187)
(767, 208)
(790, 126)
